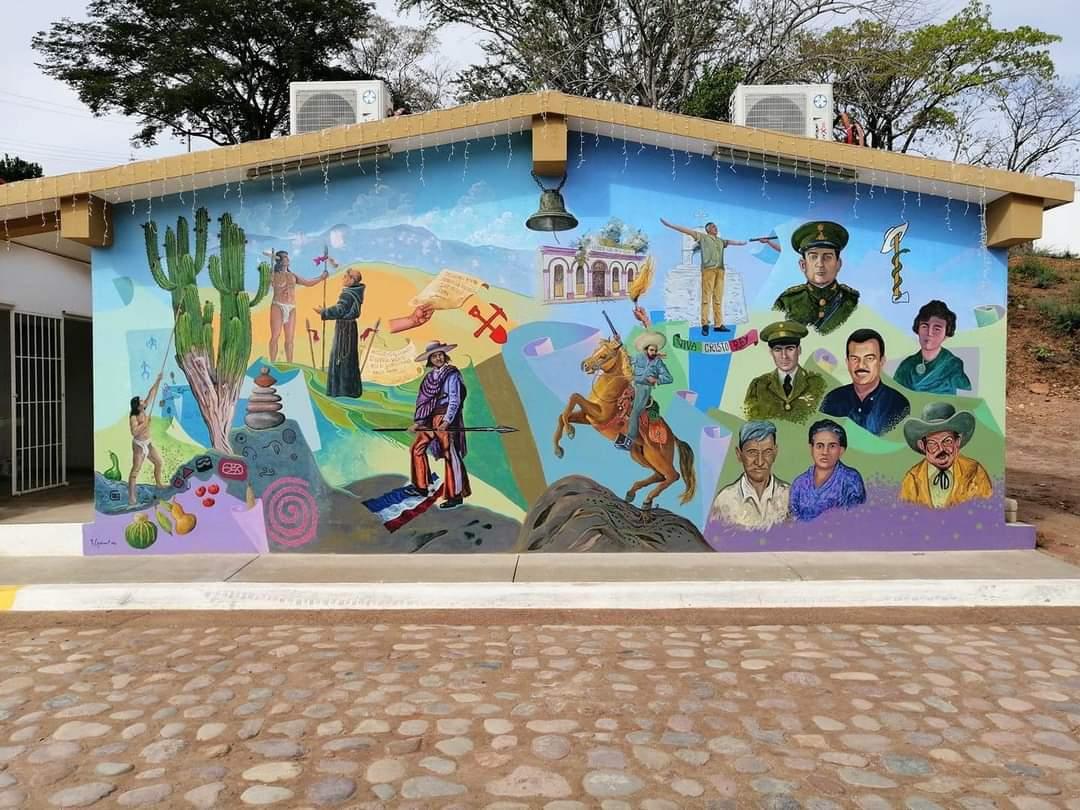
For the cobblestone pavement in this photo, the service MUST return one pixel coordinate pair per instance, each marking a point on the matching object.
(125, 714)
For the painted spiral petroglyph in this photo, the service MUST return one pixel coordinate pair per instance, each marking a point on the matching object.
(292, 515)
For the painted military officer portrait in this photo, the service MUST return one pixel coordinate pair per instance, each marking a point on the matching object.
(790, 391)
(944, 477)
(822, 302)
(933, 368)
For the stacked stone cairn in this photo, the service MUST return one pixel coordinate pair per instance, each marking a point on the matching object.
(264, 405)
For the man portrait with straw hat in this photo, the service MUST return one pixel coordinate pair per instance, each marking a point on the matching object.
(649, 370)
(438, 422)
(944, 477)
(790, 391)
(822, 302)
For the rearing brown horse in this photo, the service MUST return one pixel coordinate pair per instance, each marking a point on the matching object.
(610, 363)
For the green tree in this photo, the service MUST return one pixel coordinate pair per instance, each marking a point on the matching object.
(213, 69)
(647, 52)
(910, 88)
(406, 57)
(15, 168)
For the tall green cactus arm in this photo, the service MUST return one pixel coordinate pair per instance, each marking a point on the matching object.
(202, 224)
(215, 274)
(171, 260)
(264, 283)
(153, 258)
(182, 245)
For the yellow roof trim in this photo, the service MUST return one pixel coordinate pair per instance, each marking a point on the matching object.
(20, 199)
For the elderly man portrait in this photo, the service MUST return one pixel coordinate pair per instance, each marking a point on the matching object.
(944, 477)
(757, 499)
(790, 391)
(829, 483)
(867, 401)
(822, 302)
(933, 368)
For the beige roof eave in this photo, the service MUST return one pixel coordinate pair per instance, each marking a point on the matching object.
(1015, 201)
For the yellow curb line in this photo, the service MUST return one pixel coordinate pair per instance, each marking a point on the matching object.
(7, 596)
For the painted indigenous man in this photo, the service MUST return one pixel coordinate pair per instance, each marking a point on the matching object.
(649, 370)
(867, 401)
(933, 368)
(822, 302)
(712, 271)
(944, 477)
(757, 499)
(141, 447)
(829, 483)
(438, 421)
(790, 392)
(343, 374)
(283, 303)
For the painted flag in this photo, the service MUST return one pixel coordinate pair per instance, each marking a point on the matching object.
(399, 506)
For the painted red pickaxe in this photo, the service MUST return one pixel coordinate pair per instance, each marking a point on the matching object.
(498, 333)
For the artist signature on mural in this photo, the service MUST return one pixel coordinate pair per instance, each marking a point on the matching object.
(97, 542)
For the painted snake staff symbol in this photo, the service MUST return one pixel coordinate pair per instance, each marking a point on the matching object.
(893, 236)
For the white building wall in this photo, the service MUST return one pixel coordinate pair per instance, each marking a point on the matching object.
(36, 281)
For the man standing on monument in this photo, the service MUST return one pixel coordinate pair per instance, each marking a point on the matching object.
(712, 271)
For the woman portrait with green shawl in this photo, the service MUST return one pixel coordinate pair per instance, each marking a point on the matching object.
(933, 368)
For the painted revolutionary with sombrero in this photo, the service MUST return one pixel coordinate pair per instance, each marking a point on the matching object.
(649, 371)
(944, 477)
(822, 302)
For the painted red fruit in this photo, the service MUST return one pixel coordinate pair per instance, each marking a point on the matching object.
(213, 489)
(208, 502)
(200, 491)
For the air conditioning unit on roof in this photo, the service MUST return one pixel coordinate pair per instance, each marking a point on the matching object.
(319, 105)
(794, 109)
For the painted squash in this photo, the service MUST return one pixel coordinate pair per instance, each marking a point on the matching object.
(113, 473)
(140, 533)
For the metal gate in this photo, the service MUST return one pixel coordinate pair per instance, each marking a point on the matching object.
(38, 431)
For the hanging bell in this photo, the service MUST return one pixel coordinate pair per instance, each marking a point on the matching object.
(552, 214)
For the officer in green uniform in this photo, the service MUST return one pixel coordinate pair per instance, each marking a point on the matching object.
(789, 391)
(822, 302)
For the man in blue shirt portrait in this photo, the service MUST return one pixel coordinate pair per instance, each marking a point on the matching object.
(867, 401)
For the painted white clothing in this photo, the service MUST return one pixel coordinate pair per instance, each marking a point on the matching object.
(740, 505)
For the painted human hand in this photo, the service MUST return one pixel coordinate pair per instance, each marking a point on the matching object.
(422, 314)
(366, 333)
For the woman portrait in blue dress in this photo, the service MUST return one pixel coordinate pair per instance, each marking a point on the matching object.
(829, 483)
(933, 368)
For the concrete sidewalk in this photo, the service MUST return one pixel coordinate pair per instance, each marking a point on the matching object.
(599, 581)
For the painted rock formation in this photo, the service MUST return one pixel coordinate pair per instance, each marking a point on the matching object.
(264, 405)
(578, 514)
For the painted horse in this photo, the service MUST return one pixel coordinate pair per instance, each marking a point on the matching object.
(607, 408)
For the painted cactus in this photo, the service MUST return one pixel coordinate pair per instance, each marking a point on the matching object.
(215, 381)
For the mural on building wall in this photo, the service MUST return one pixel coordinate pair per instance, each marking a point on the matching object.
(392, 362)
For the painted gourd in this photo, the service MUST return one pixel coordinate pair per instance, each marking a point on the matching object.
(140, 533)
(183, 521)
(113, 473)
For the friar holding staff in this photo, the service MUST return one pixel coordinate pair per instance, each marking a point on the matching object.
(343, 374)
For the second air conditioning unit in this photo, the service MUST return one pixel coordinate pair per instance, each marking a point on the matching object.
(320, 105)
(794, 109)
